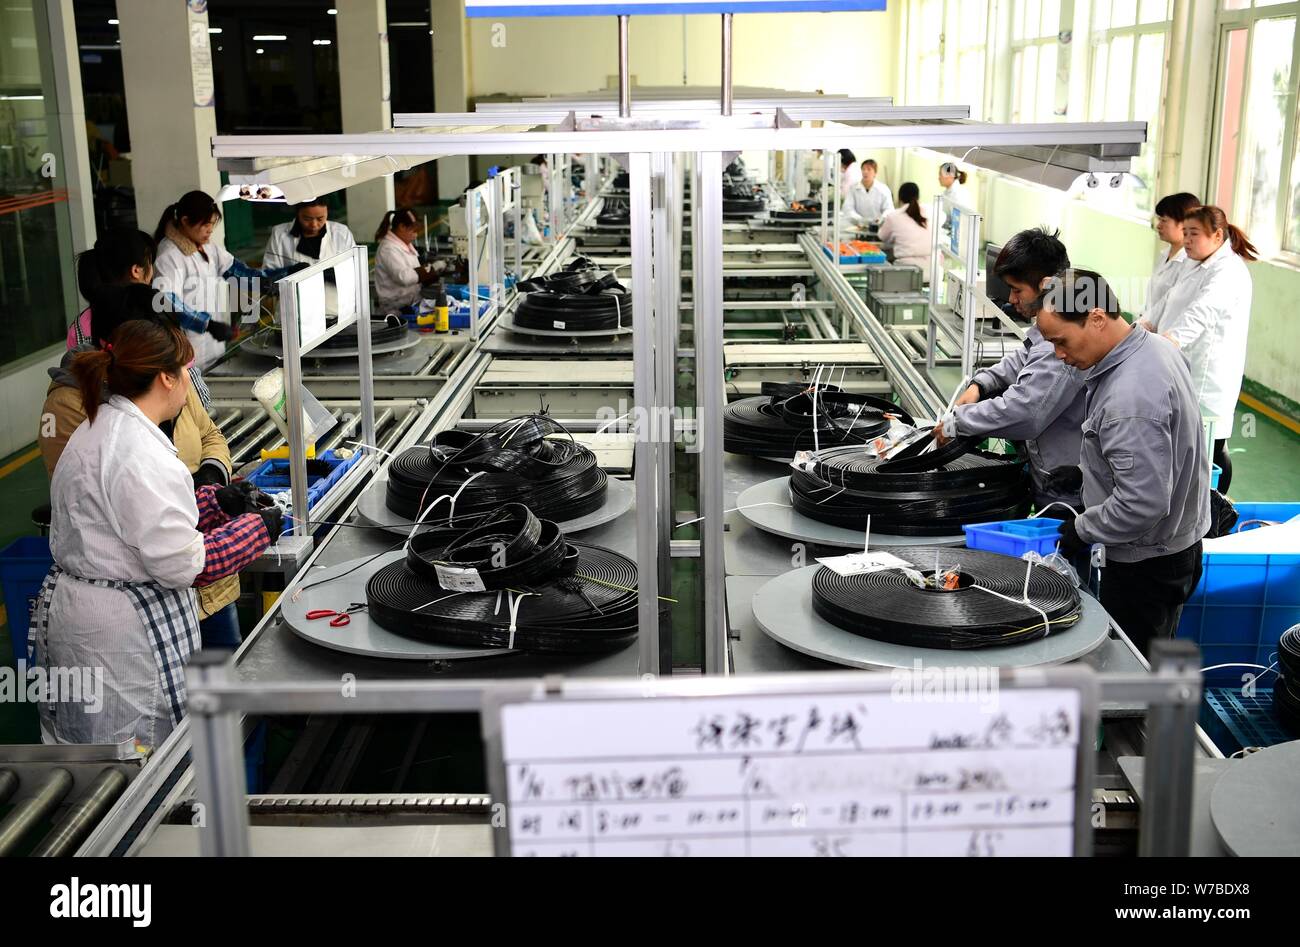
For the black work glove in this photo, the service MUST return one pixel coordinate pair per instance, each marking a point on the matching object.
(274, 521)
(1071, 543)
(220, 331)
(209, 475)
(242, 497)
(1067, 481)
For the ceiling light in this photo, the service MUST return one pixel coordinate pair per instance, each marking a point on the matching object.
(214, 29)
(260, 51)
(113, 22)
(332, 12)
(269, 38)
(321, 42)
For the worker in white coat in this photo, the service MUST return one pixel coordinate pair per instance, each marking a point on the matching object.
(868, 201)
(905, 232)
(398, 272)
(953, 181)
(850, 171)
(192, 267)
(1208, 317)
(131, 537)
(1173, 263)
(308, 238)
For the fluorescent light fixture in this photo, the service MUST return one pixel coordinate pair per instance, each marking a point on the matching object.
(113, 22)
(322, 42)
(214, 29)
(22, 98)
(260, 51)
(332, 12)
(270, 38)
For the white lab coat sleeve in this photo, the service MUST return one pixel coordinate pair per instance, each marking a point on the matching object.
(169, 274)
(343, 239)
(278, 250)
(224, 258)
(888, 232)
(156, 514)
(849, 209)
(1214, 301)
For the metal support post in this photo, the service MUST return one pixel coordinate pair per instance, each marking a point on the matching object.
(471, 250)
(707, 202)
(726, 64)
(1166, 828)
(218, 759)
(365, 361)
(826, 197)
(297, 440)
(645, 429)
(557, 226)
(667, 299)
(624, 76)
(936, 278)
(968, 306)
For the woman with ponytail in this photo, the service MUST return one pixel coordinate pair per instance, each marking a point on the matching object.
(398, 273)
(1208, 317)
(953, 181)
(131, 538)
(905, 233)
(194, 269)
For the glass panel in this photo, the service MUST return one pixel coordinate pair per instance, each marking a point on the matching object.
(1051, 21)
(1235, 47)
(1154, 11)
(1046, 100)
(1097, 99)
(1236, 4)
(1018, 20)
(1267, 104)
(1123, 13)
(931, 25)
(1101, 15)
(972, 16)
(970, 82)
(1119, 79)
(1146, 108)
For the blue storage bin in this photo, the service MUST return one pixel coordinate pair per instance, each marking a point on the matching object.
(1015, 537)
(1244, 601)
(23, 567)
(273, 477)
(1215, 473)
(1234, 721)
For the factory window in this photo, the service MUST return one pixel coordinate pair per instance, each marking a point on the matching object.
(1038, 71)
(1256, 175)
(946, 43)
(1128, 40)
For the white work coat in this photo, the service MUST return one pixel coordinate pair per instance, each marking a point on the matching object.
(122, 509)
(960, 195)
(397, 285)
(198, 283)
(282, 246)
(1208, 315)
(1169, 270)
(907, 240)
(862, 206)
(850, 176)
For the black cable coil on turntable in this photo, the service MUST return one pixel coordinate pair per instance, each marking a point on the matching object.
(1286, 692)
(742, 198)
(560, 596)
(949, 612)
(579, 298)
(615, 212)
(382, 332)
(516, 460)
(913, 493)
(779, 422)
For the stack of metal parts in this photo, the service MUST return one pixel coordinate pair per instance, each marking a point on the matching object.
(508, 580)
(915, 492)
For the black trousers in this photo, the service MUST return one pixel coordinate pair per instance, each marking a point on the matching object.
(1146, 598)
(1221, 458)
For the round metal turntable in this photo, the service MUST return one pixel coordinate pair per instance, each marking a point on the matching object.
(783, 609)
(374, 509)
(264, 347)
(508, 323)
(1254, 804)
(767, 506)
(362, 636)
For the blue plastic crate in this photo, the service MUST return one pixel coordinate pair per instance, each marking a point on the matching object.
(1234, 721)
(1015, 537)
(273, 477)
(1244, 601)
(23, 566)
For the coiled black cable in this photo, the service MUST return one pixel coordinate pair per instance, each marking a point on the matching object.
(509, 548)
(583, 602)
(779, 423)
(843, 486)
(1286, 692)
(514, 461)
(580, 298)
(382, 332)
(949, 612)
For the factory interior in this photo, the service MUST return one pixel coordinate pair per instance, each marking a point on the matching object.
(889, 409)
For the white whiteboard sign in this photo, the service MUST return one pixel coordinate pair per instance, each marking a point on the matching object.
(819, 774)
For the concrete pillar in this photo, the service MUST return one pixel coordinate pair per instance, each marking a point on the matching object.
(65, 114)
(450, 83)
(167, 65)
(366, 101)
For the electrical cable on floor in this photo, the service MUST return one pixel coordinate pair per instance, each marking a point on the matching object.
(580, 298)
(972, 599)
(1286, 692)
(514, 581)
(780, 422)
(516, 460)
(914, 493)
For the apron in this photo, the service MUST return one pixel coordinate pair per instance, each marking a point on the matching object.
(150, 709)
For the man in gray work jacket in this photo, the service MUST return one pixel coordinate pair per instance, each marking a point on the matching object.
(1146, 473)
(1030, 395)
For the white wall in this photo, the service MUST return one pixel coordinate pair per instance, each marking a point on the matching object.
(22, 392)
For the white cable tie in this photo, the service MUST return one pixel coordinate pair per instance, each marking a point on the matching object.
(735, 509)
(378, 450)
(514, 615)
(436, 601)
(1047, 624)
(1219, 667)
(1052, 504)
(618, 314)
(497, 611)
(866, 542)
(451, 516)
(1029, 568)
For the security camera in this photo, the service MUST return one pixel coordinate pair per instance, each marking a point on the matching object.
(1116, 180)
(1092, 180)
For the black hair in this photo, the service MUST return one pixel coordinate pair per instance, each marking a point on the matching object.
(1032, 255)
(846, 157)
(119, 304)
(1177, 206)
(131, 359)
(1072, 294)
(196, 207)
(296, 229)
(949, 168)
(538, 159)
(909, 195)
(109, 261)
(871, 163)
(392, 219)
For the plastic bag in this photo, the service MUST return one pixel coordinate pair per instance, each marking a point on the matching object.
(1054, 561)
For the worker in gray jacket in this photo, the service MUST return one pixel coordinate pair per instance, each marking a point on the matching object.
(1146, 473)
(1031, 395)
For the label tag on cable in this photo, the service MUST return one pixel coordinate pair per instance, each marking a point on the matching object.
(860, 563)
(803, 461)
(456, 579)
(557, 324)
